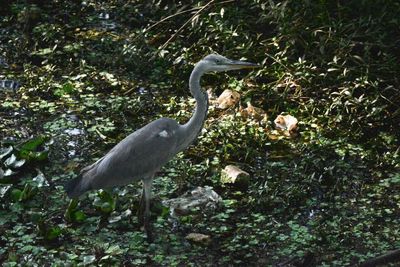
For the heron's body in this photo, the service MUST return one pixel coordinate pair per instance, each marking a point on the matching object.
(141, 154)
(124, 163)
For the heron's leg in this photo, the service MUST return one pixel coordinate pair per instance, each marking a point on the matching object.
(140, 212)
(147, 197)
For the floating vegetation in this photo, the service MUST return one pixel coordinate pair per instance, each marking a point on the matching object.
(321, 191)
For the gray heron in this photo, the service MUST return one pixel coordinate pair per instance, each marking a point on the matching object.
(142, 154)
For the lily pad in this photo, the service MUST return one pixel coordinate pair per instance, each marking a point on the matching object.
(31, 150)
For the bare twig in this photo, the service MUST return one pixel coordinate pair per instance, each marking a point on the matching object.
(277, 61)
(169, 17)
(183, 12)
(183, 26)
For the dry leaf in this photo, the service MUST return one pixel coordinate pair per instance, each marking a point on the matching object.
(287, 123)
(227, 99)
(199, 238)
(253, 112)
(234, 175)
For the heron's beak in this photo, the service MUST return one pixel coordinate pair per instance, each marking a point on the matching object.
(238, 64)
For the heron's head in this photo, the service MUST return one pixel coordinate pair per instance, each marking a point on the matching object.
(214, 62)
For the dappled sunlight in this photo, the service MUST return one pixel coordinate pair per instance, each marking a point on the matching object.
(298, 160)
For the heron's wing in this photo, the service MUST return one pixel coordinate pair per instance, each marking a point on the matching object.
(138, 156)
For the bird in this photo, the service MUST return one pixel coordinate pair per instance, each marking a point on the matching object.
(140, 155)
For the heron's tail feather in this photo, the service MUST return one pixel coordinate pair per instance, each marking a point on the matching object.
(75, 187)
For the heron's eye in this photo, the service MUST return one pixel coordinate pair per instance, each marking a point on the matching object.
(218, 61)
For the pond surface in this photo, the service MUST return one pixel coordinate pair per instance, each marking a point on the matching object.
(324, 195)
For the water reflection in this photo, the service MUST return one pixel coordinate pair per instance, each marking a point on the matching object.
(74, 131)
(142, 91)
(106, 23)
(72, 145)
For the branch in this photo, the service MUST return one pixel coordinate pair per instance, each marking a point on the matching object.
(182, 12)
(389, 257)
(169, 17)
(184, 25)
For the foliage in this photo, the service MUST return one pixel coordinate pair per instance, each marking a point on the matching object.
(93, 71)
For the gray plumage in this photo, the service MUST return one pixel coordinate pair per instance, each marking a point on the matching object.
(141, 154)
(124, 163)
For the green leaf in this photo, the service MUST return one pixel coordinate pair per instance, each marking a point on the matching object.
(13, 162)
(40, 180)
(79, 216)
(72, 207)
(67, 88)
(4, 189)
(114, 250)
(16, 194)
(7, 173)
(29, 150)
(53, 233)
(28, 192)
(43, 52)
(10, 161)
(89, 259)
(33, 144)
(104, 201)
(5, 152)
(106, 207)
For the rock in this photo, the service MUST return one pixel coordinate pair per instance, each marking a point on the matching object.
(227, 99)
(199, 238)
(234, 175)
(201, 197)
(287, 123)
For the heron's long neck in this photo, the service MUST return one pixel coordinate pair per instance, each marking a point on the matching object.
(192, 128)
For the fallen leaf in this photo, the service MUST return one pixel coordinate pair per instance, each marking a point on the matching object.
(287, 123)
(234, 175)
(253, 112)
(227, 99)
(199, 238)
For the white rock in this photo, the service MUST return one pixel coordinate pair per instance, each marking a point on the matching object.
(201, 197)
